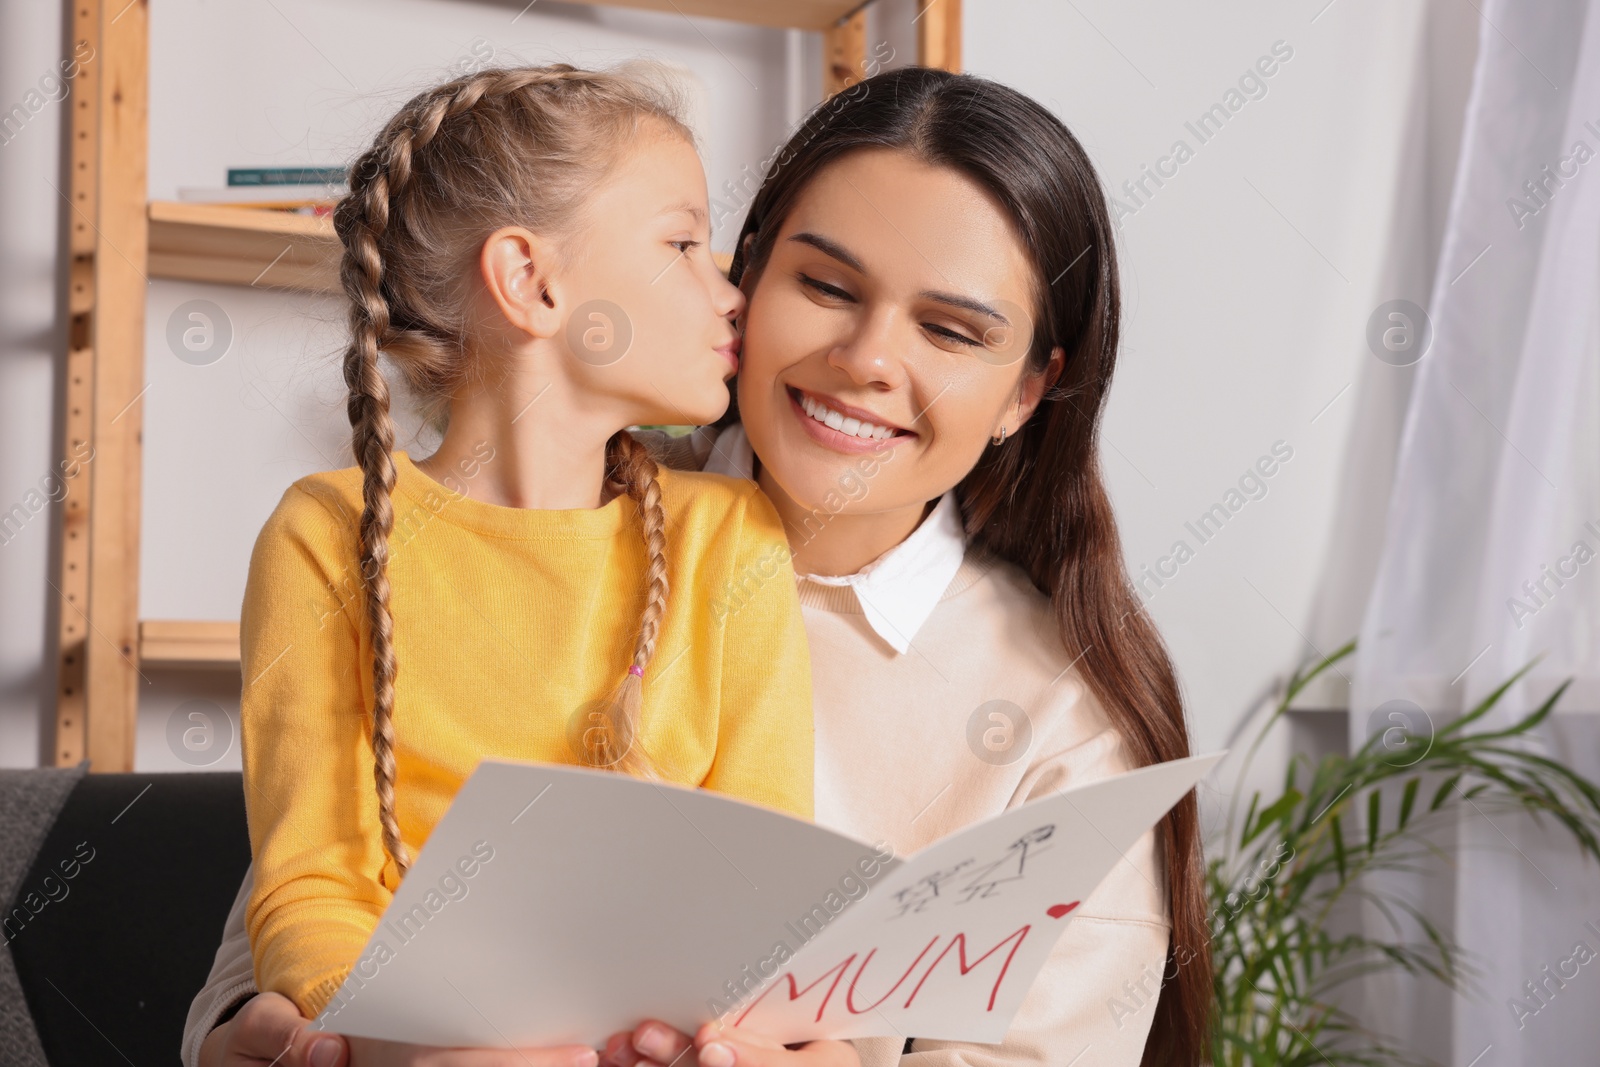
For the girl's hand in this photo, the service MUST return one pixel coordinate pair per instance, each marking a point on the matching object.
(655, 1044)
(269, 1029)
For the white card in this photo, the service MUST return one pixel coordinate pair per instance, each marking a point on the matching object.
(555, 905)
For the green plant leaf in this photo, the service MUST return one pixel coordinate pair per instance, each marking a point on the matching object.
(1407, 799)
(1279, 810)
(1444, 791)
(1374, 823)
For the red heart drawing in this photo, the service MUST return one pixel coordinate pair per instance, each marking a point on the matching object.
(1059, 910)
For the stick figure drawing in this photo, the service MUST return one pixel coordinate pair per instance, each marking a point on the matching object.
(916, 896)
(1008, 868)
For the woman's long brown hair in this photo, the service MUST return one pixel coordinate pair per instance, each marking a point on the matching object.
(457, 162)
(1038, 499)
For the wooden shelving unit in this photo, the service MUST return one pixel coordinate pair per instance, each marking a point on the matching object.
(116, 241)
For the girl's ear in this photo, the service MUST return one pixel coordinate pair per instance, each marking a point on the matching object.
(517, 266)
(1031, 390)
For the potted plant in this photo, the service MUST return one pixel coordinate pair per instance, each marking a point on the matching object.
(1285, 871)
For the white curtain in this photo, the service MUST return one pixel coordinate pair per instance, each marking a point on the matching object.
(1491, 549)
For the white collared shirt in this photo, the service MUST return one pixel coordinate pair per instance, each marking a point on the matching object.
(898, 590)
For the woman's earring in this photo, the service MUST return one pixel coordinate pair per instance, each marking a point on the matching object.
(1001, 439)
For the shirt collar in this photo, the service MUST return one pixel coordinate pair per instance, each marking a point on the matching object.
(899, 590)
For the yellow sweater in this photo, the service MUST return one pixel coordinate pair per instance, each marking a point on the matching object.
(507, 622)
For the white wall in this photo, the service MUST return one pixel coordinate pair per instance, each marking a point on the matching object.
(31, 342)
(1249, 278)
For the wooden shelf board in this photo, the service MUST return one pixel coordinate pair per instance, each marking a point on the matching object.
(189, 645)
(243, 246)
(251, 246)
(793, 14)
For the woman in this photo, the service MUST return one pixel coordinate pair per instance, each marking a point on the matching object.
(930, 334)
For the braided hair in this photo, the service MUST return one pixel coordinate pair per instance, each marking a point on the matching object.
(457, 162)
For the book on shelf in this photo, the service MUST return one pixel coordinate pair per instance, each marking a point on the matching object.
(286, 176)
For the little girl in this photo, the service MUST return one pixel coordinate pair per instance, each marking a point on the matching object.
(528, 248)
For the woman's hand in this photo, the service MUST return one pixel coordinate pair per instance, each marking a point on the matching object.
(655, 1044)
(269, 1030)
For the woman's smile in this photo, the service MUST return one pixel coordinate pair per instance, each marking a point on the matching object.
(841, 427)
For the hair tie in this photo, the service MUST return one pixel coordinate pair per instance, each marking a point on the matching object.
(636, 670)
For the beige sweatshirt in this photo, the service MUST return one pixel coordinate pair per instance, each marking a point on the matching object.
(900, 759)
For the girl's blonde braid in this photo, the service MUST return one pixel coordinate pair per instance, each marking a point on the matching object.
(617, 744)
(378, 179)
